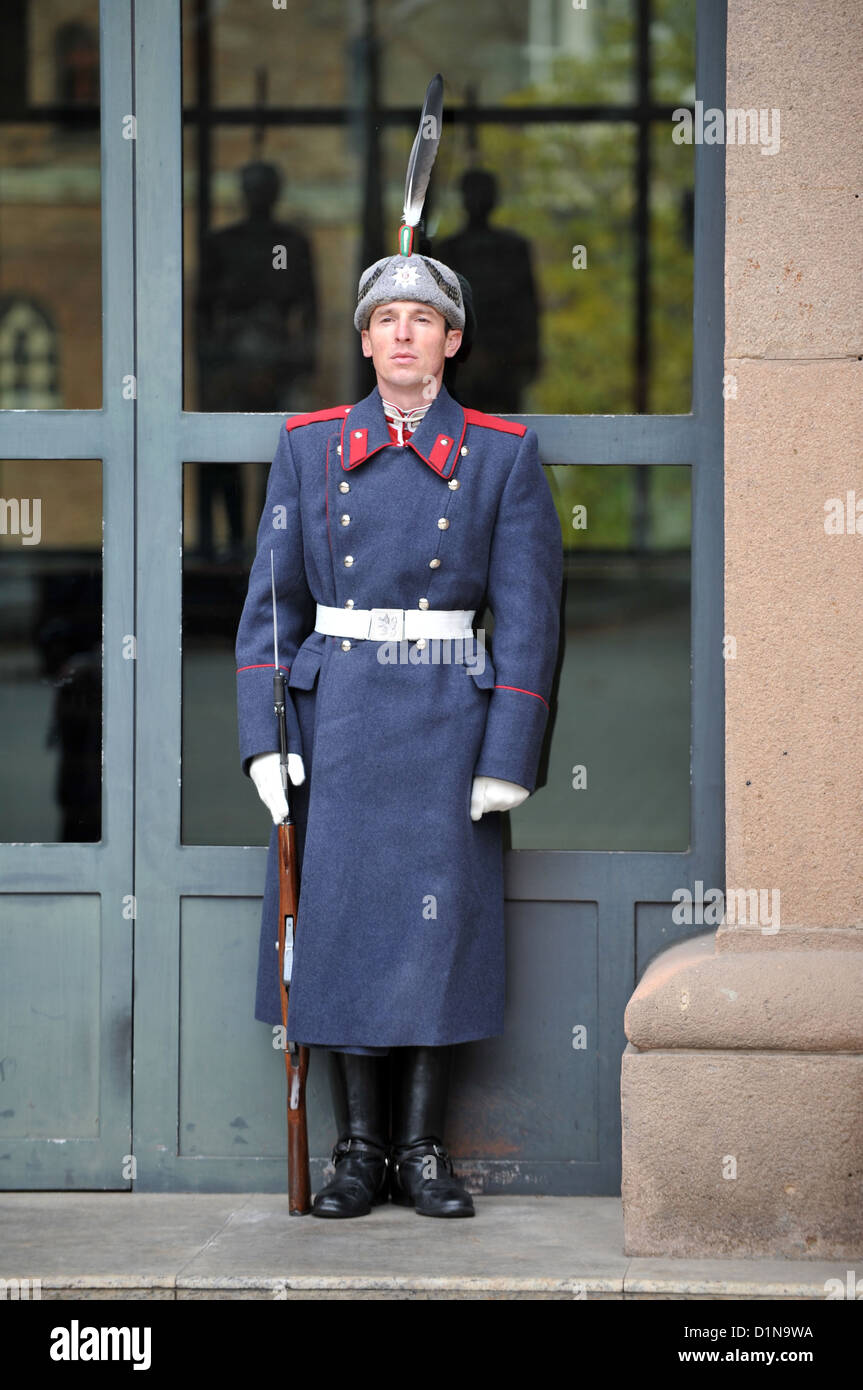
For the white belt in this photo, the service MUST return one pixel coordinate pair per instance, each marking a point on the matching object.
(393, 624)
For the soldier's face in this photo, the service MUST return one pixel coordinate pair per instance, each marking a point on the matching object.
(408, 344)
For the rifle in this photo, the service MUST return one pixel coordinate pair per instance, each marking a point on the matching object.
(296, 1057)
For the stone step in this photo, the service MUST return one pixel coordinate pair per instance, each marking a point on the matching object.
(120, 1245)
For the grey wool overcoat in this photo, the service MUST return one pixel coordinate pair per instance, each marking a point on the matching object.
(399, 931)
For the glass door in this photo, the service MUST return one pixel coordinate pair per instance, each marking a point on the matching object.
(269, 171)
(67, 616)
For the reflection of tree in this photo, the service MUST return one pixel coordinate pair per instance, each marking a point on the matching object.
(607, 493)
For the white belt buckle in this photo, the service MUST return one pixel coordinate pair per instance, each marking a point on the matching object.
(386, 624)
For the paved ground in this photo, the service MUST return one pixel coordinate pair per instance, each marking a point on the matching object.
(230, 1246)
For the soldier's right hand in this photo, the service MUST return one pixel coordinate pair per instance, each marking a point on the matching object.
(266, 775)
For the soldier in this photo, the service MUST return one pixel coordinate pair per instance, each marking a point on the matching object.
(391, 523)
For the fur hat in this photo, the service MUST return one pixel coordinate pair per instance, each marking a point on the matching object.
(414, 277)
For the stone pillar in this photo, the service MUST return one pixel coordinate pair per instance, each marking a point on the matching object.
(742, 1084)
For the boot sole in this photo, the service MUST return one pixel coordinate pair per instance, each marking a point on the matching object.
(447, 1214)
(401, 1201)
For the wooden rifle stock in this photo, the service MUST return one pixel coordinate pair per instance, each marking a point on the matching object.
(296, 1057)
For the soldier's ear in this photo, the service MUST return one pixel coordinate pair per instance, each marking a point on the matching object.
(367, 343)
(453, 342)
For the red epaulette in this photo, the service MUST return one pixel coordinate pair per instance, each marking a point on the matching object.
(493, 422)
(335, 412)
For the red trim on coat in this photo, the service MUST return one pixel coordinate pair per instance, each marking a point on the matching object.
(522, 692)
(439, 455)
(494, 422)
(431, 463)
(351, 462)
(335, 412)
(263, 666)
(358, 446)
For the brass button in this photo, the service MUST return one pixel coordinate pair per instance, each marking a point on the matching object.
(343, 487)
(421, 643)
(348, 560)
(443, 523)
(346, 646)
(464, 450)
(423, 603)
(434, 564)
(453, 483)
(344, 518)
(358, 434)
(349, 603)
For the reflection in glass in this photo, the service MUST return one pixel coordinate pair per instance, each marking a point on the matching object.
(618, 746)
(256, 309)
(51, 650)
(498, 49)
(219, 805)
(50, 228)
(504, 356)
(561, 226)
(582, 265)
(672, 26)
(667, 375)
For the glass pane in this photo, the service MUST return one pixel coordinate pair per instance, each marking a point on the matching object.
(668, 383)
(222, 504)
(668, 349)
(50, 233)
(672, 39)
(51, 649)
(618, 751)
(294, 177)
(550, 264)
(495, 50)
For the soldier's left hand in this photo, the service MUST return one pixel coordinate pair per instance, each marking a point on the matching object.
(494, 794)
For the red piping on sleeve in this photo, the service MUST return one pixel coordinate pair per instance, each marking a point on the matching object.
(522, 692)
(263, 666)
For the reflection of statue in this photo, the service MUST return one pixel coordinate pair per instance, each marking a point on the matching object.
(505, 355)
(256, 322)
(67, 633)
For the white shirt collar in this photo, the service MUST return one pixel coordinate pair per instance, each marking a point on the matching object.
(404, 419)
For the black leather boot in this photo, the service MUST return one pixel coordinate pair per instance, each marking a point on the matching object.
(360, 1092)
(422, 1174)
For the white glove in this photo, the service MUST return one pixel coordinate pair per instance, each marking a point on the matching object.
(265, 773)
(494, 794)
